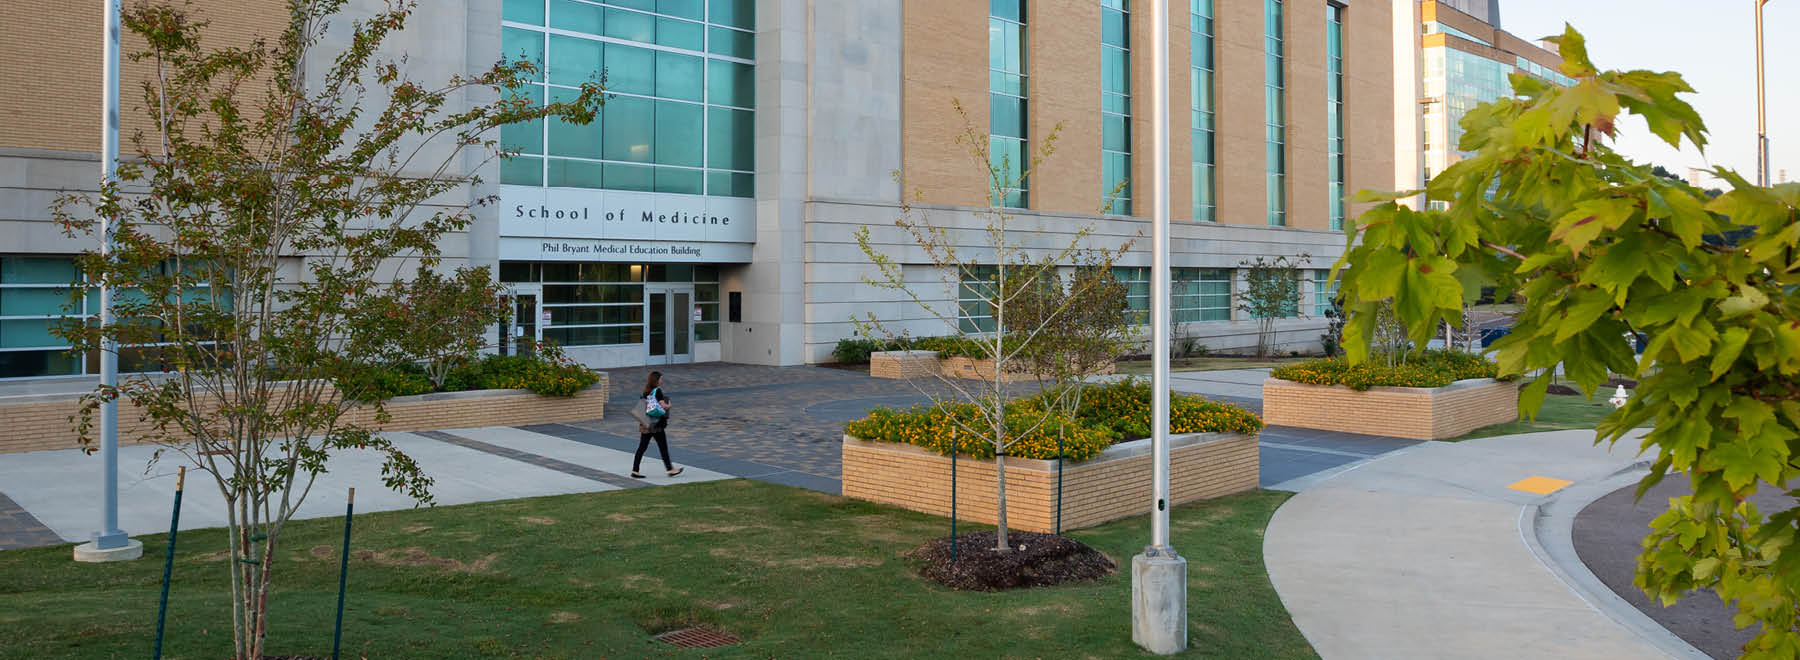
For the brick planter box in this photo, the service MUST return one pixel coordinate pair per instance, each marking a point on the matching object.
(1113, 485)
(1420, 413)
(41, 422)
(903, 364)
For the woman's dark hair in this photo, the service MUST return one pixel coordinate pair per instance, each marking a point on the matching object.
(654, 381)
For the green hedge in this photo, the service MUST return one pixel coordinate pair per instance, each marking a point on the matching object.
(1420, 369)
(857, 351)
(546, 377)
(1108, 414)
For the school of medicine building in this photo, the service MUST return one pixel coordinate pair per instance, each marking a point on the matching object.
(709, 213)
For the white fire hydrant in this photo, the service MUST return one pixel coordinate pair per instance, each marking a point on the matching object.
(1619, 397)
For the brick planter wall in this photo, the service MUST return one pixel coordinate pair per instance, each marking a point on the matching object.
(33, 423)
(1419, 413)
(1113, 485)
(903, 364)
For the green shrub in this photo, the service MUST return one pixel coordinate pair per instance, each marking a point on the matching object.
(856, 351)
(380, 382)
(927, 426)
(1420, 369)
(1123, 407)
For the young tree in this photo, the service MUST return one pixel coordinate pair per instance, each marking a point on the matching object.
(1271, 292)
(1086, 325)
(1009, 274)
(1599, 246)
(436, 320)
(279, 188)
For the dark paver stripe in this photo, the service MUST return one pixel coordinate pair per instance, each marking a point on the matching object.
(545, 462)
(19, 529)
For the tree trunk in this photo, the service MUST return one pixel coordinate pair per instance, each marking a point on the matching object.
(1000, 543)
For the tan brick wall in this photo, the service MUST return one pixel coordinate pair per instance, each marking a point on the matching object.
(903, 364)
(945, 59)
(1400, 412)
(1181, 134)
(1308, 203)
(1238, 57)
(1369, 100)
(1062, 62)
(1110, 487)
(50, 69)
(44, 425)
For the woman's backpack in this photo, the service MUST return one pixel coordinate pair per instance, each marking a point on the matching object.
(652, 407)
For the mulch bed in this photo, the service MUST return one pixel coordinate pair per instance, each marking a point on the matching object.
(1035, 560)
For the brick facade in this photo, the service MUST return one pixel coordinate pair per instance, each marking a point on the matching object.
(1402, 412)
(40, 423)
(1113, 485)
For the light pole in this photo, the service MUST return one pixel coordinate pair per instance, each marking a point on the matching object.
(1159, 574)
(1762, 130)
(109, 543)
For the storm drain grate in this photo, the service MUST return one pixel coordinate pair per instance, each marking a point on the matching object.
(697, 638)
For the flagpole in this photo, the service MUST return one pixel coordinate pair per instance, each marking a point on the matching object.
(1159, 574)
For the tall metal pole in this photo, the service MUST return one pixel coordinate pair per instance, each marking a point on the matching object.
(1159, 575)
(1159, 272)
(109, 542)
(1762, 130)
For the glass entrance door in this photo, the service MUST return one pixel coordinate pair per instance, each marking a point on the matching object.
(524, 328)
(669, 317)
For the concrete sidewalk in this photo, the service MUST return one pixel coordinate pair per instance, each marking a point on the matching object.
(1433, 551)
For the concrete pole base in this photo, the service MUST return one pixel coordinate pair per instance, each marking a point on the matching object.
(1159, 601)
(91, 553)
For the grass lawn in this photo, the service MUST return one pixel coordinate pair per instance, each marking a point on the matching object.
(795, 573)
(1142, 367)
(1560, 412)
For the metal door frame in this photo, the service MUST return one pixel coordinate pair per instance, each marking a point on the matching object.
(670, 316)
(511, 328)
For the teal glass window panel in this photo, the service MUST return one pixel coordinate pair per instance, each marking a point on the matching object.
(729, 184)
(571, 139)
(730, 139)
(735, 13)
(564, 173)
(646, 5)
(628, 124)
(630, 70)
(678, 180)
(618, 176)
(1006, 115)
(576, 16)
(630, 26)
(1203, 147)
(1115, 71)
(525, 137)
(1006, 83)
(34, 302)
(523, 11)
(1113, 29)
(1200, 51)
(678, 127)
(705, 292)
(694, 9)
(1115, 133)
(574, 60)
(677, 33)
(38, 270)
(1202, 91)
(679, 76)
(1007, 9)
(28, 364)
(734, 43)
(29, 333)
(522, 171)
(1008, 156)
(730, 83)
(707, 331)
(517, 44)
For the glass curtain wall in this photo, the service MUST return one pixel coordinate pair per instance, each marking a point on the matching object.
(1115, 106)
(1006, 99)
(1200, 294)
(1274, 120)
(34, 297)
(1201, 104)
(1334, 109)
(679, 113)
(602, 304)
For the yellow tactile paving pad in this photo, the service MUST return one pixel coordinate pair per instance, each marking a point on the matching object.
(1539, 485)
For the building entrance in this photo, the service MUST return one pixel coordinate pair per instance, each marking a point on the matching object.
(670, 316)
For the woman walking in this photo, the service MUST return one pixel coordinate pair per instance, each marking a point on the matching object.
(656, 412)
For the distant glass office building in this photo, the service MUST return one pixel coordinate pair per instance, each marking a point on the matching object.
(1465, 60)
(710, 212)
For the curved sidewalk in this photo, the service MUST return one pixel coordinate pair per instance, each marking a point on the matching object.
(1434, 551)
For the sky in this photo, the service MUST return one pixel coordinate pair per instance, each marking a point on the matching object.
(1712, 44)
